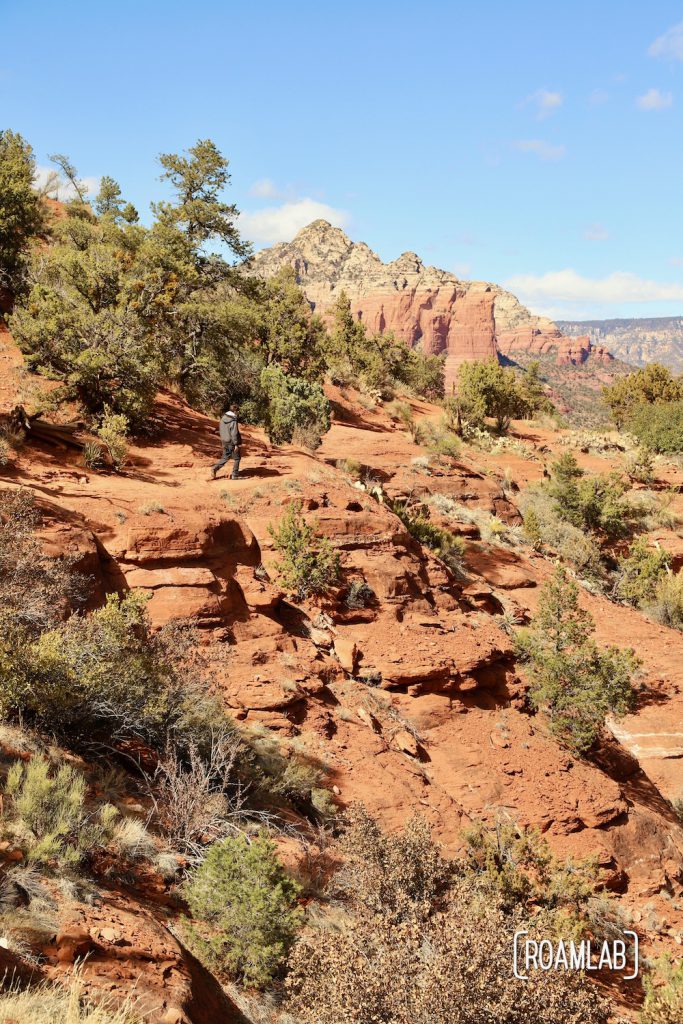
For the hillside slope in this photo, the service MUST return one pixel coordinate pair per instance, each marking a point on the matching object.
(639, 340)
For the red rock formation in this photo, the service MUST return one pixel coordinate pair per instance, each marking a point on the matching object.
(420, 304)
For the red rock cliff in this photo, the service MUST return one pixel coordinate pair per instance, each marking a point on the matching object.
(422, 305)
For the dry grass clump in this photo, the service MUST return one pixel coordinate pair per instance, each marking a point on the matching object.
(54, 1005)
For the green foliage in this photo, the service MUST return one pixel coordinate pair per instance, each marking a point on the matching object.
(531, 390)
(47, 813)
(650, 385)
(640, 466)
(571, 679)
(489, 389)
(663, 994)
(641, 571)
(309, 564)
(449, 547)
(103, 671)
(659, 427)
(289, 335)
(517, 867)
(438, 439)
(20, 208)
(246, 908)
(667, 601)
(294, 405)
(112, 431)
(114, 308)
(592, 502)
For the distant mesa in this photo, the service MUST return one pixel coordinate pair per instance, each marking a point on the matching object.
(465, 319)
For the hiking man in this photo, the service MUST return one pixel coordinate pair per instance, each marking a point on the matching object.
(231, 440)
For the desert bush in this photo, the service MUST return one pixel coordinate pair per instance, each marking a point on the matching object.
(438, 439)
(404, 904)
(448, 546)
(5, 451)
(309, 564)
(590, 502)
(112, 431)
(199, 796)
(245, 909)
(666, 605)
(571, 679)
(103, 671)
(402, 876)
(92, 455)
(47, 814)
(515, 866)
(659, 427)
(640, 466)
(359, 595)
(545, 530)
(663, 994)
(641, 571)
(294, 404)
(652, 385)
(488, 389)
(35, 591)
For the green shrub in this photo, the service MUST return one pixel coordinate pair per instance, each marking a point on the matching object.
(651, 385)
(641, 571)
(112, 431)
(659, 427)
(666, 605)
(663, 994)
(245, 909)
(571, 679)
(5, 451)
(309, 564)
(438, 439)
(640, 466)
(47, 813)
(592, 503)
(293, 404)
(449, 547)
(546, 530)
(106, 670)
(488, 389)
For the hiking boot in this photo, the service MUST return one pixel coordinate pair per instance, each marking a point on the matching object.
(234, 476)
(213, 473)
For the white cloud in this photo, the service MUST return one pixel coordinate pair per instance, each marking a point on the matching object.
(598, 97)
(653, 99)
(545, 102)
(567, 286)
(543, 150)
(50, 181)
(669, 44)
(280, 223)
(265, 188)
(596, 233)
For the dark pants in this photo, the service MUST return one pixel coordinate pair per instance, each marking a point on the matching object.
(230, 451)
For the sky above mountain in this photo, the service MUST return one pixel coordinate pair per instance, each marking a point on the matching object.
(532, 144)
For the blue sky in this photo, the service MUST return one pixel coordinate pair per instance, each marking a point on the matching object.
(533, 144)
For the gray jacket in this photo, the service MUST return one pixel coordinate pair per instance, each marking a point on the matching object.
(229, 429)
